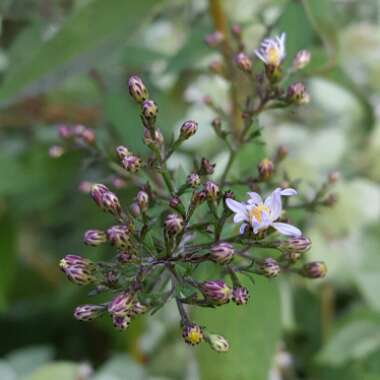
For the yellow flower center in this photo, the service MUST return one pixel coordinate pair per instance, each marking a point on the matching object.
(273, 56)
(255, 212)
(194, 336)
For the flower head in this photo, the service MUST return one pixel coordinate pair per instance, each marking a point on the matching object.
(192, 334)
(272, 50)
(261, 215)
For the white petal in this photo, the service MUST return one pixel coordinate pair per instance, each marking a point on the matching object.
(287, 229)
(288, 192)
(254, 198)
(240, 217)
(265, 220)
(259, 55)
(235, 206)
(242, 228)
(273, 202)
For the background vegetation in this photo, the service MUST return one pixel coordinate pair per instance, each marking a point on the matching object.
(68, 61)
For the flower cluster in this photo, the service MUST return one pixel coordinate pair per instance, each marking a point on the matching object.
(171, 228)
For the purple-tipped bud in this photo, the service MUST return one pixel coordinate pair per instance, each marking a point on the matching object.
(88, 136)
(265, 169)
(142, 199)
(124, 257)
(118, 236)
(173, 224)
(138, 308)
(121, 322)
(218, 343)
(156, 140)
(56, 151)
(77, 269)
(137, 89)
(122, 152)
(240, 295)
(121, 305)
(174, 202)
(212, 190)
(199, 197)
(301, 59)
(214, 39)
(243, 62)
(192, 334)
(297, 94)
(94, 237)
(88, 312)
(269, 267)
(315, 269)
(295, 244)
(222, 253)
(216, 291)
(188, 129)
(110, 203)
(149, 110)
(132, 163)
(193, 180)
(97, 191)
(333, 177)
(135, 209)
(281, 153)
(291, 256)
(207, 167)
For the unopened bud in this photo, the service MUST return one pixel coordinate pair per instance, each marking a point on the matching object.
(137, 89)
(333, 177)
(207, 167)
(295, 244)
(240, 295)
(97, 191)
(94, 237)
(297, 94)
(281, 153)
(138, 308)
(214, 39)
(192, 334)
(156, 140)
(88, 312)
(236, 30)
(218, 343)
(122, 152)
(174, 202)
(265, 169)
(173, 224)
(217, 125)
(212, 190)
(121, 304)
(222, 253)
(330, 200)
(142, 199)
(199, 197)
(216, 291)
(269, 267)
(88, 136)
(56, 151)
(121, 322)
(110, 203)
(188, 129)
(315, 269)
(243, 62)
(77, 269)
(149, 110)
(131, 163)
(301, 59)
(118, 236)
(135, 209)
(193, 180)
(124, 257)
(65, 132)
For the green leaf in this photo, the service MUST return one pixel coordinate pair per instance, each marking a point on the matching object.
(252, 330)
(85, 38)
(56, 371)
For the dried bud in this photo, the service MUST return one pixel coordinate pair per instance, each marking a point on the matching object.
(301, 59)
(173, 224)
(281, 153)
(137, 89)
(56, 151)
(124, 257)
(269, 267)
(218, 343)
(97, 191)
(122, 151)
(188, 129)
(157, 139)
(193, 180)
(207, 167)
(198, 197)
(265, 169)
(299, 244)
(216, 291)
(214, 39)
(212, 190)
(118, 236)
(138, 308)
(330, 200)
(192, 334)
(131, 163)
(94, 237)
(297, 94)
(149, 110)
(110, 203)
(243, 62)
(121, 322)
(333, 177)
(77, 269)
(121, 305)
(240, 295)
(142, 199)
(222, 253)
(88, 312)
(315, 269)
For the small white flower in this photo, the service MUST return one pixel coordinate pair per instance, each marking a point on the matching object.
(262, 215)
(272, 50)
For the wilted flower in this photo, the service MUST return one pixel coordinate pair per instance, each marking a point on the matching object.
(240, 295)
(218, 343)
(216, 291)
(88, 312)
(94, 237)
(192, 334)
(272, 50)
(222, 253)
(262, 215)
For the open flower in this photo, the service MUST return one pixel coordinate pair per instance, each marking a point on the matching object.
(261, 215)
(272, 50)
